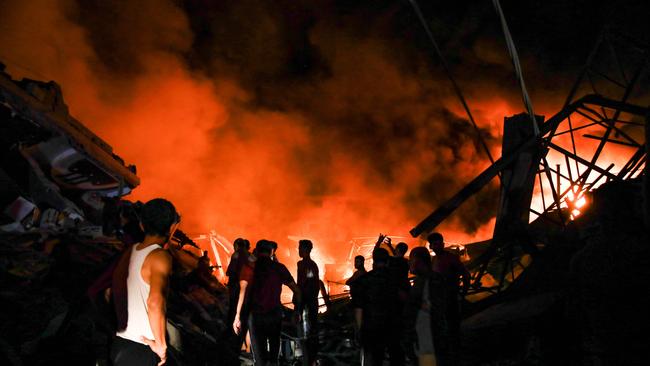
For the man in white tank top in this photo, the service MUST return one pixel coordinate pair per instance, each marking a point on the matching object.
(141, 318)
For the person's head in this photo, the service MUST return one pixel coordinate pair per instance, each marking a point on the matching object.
(241, 244)
(274, 247)
(263, 248)
(159, 219)
(401, 249)
(436, 242)
(420, 261)
(304, 248)
(380, 258)
(359, 263)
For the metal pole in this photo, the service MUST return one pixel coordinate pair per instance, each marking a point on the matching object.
(646, 180)
(558, 176)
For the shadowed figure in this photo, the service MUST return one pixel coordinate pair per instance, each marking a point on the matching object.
(453, 271)
(261, 283)
(239, 259)
(425, 310)
(310, 284)
(378, 313)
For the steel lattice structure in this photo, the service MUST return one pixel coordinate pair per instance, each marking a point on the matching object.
(594, 138)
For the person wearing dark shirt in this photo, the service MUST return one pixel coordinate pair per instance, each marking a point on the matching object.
(353, 283)
(452, 269)
(378, 314)
(260, 285)
(425, 310)
(359, 270)
(310, 284)
(239, 258)
(400, 266)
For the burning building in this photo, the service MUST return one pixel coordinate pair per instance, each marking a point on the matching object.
(293, 121)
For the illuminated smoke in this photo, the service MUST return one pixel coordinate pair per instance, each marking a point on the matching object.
(351, 135)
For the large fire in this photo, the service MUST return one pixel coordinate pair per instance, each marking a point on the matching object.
(371, 145)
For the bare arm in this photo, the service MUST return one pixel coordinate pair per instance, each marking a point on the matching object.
(389, 244)
(236, 325)
(384, 239)
(160, 268)
(380, 240)
(323, 291)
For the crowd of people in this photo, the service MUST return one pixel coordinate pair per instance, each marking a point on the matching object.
(255, 284)
(416, 320)
(407, 318)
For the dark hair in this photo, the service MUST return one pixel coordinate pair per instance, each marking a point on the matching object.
(421, 253)
(305, 244)
(360, 257)
(380, 256)
(402, 247)
(274, 245)
(242, 243)
(264, 246)
(435, 237)
(157, 217)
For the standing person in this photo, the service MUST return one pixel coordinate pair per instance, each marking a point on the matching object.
(398, 264)
(359, 271)
(425, 310)
(139, 292)
(239, 258)
(378, 313)
(310, 284)
(453, 270)
(353, 284)
(400, 267)
(260, 285)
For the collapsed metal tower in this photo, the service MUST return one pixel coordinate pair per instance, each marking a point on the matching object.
(595, 138)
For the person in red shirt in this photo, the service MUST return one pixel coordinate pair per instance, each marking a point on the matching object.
(452, 269)
(310, 284)
(260, 285)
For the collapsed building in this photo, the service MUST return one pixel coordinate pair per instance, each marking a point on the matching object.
(560, 282)
(64, 221)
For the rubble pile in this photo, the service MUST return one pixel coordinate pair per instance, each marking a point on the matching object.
(63, 224)
(581, 300)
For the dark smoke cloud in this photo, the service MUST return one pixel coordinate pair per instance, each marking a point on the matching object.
(359, 93)
(322, 118)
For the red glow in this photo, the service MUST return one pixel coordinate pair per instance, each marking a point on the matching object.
(241, 170)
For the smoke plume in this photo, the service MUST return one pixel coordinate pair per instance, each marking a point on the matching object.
(268, 120)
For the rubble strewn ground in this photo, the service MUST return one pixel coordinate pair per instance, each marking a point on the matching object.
(582, 301)
(47, 315)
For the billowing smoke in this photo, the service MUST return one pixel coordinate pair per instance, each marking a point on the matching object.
(270, 120)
